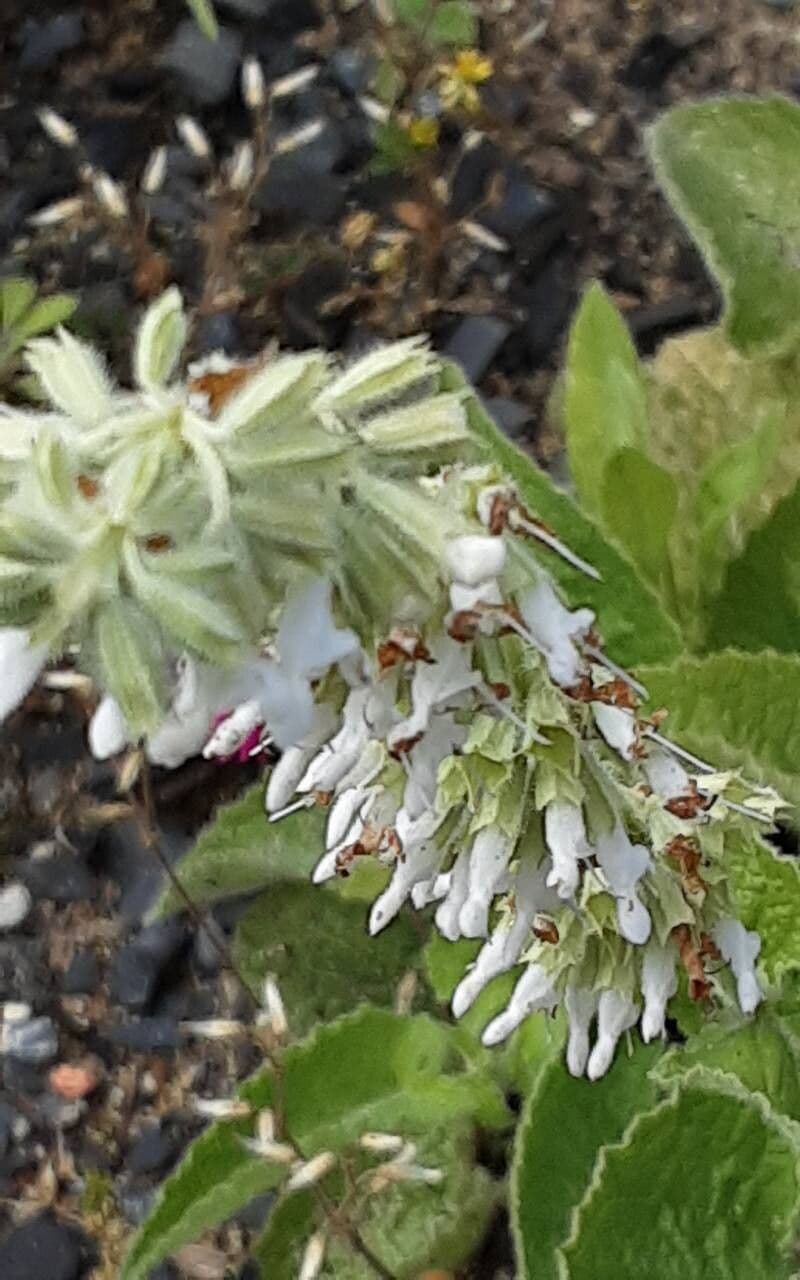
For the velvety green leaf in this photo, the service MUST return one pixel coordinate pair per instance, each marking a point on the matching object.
(703, 1187)
(759, 1054)
(520, 1060)
(205, 17)
(735, 710)
(317, 946)
(759, 604)
(45, 315)
(217, 1177)
(374, 1071)
(279, 1249)
(605, 407)
(563, 1126)
(240, 852)
(633, 625)
(130, 658)
(639, 505)
(453, 22)
(16, 295)
(729, 167)
(187, 613)
(767, 891)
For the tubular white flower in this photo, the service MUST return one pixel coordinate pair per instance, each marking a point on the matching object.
(489, 856)
(444, 736)
(464, 599)
(581, 1005)
(740, 948)
(616, 1012)
(436, 684)
(108, 729)
(565, 833)
(665, 774)
(234, 730)
(473, 558)
(623, 865)
(556, 629)
(313, 1256)
(617, 726)
(448, 913)
(20, 664)
(504, 948)
(659, 984)
(533, 991)
(420, 859)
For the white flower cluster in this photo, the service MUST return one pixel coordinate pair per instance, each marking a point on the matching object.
(283, 551)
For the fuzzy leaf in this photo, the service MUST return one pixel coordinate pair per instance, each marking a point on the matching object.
(730, 169)
(759, 604)
(703, 1187)
(374, 1071)
(564, 1124)
(634, 627)
(639, 505)
(187, 613)
(452, 22)
(766, 887)
(735, 710)
(240, 852)
(47, 314)
(325, 961)
(218, 1177)
(605, 407)
(17, 294)
(160, 340)
(128, 651)
(759, 1054)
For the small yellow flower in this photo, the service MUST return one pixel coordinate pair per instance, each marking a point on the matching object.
(472, 67)
(457, 86)
(424, 133)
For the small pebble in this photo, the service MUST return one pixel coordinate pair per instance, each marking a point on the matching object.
(33, 1041)
(76, 1080)
(41, 1248)
(15, 904)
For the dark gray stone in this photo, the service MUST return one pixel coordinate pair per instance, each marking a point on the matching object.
(44, 42)
(219, 332)
(139, 967)
(41, 1249)
(62, 878)
(287, 196)
(136, 1205)
(147, 1035)
(83, 975)
(127, 860)
(208, 69)
(154, 1149)
(510, 415)
(7, 1117)
(312, 159)
(475, 344)
(351, 70)
(522, 205)
(23, 975)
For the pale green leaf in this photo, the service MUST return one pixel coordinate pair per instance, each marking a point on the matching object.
(160, 341)
(633, 625)
(564, 1124)
(639, 505)
(17, 294)
(47, 314)
(703, 1187)
(317, 946)
(452, 22)
(735, 710)
(131, 661)
(605, 406)
(240, 852)
(729, 166)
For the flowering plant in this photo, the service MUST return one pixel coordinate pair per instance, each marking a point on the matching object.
(455, 678)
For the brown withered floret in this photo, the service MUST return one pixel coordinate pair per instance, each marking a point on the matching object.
(157, 543)
(463, 626)
(500, 690)
(88, 487)
(689, 805)
(687, 855)
(691, 959)
(502, 505)
(709, 949)
(381, 841)
(616, 693)
(403, 746)
(219, 388)
(402, 645)
(545, 929)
